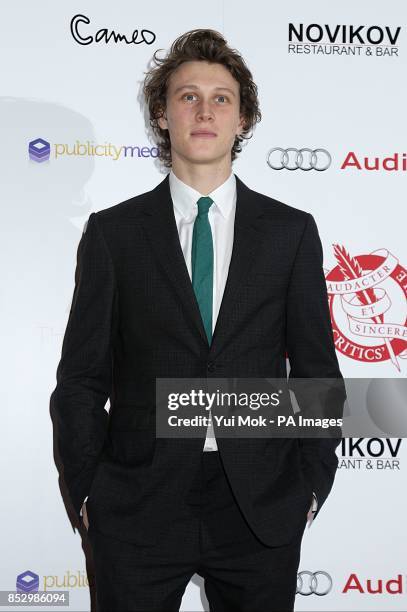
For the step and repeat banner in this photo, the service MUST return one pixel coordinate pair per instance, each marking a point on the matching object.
(332, 141)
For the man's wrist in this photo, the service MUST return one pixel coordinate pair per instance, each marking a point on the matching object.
(84, 501)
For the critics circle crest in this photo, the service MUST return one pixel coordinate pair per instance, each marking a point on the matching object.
(367, 300)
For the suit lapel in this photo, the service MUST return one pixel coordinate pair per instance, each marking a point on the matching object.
(161, 229)
(247, 240)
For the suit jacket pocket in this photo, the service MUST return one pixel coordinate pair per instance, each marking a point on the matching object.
(131, 416)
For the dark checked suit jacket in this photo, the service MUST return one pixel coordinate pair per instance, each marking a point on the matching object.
(134, 317)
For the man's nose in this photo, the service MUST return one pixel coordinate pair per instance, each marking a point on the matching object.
(204, 111)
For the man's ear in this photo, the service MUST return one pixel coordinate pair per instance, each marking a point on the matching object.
(241, 125)
(162, 121)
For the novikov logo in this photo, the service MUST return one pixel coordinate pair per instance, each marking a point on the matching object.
(378, 586)
(396, 162)
(370, 447)
(343, 39)
(40, 150)
(369, 454)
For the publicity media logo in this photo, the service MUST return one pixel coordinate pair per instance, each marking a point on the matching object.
(343, 39)
(27, 582)
(29, 593)
(367, 300)
(39, 150)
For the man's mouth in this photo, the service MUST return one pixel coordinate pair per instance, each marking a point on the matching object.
(203, 134)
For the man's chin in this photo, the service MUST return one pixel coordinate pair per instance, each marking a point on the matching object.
(204, 157)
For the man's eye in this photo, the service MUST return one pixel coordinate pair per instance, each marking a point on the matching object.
(191, 97)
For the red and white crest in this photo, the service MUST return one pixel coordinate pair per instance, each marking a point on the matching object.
(367, 299)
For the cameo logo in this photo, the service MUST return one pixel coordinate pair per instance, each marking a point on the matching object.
(27, 582)
(78, 31)
(394, 586)
(313, 583)
(39, 150)
(298, 159)
(367, 300)
(369, 454)
(343, 39)
(392, 163)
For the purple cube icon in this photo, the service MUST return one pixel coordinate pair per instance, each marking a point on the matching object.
(39, 150)
(27, 582)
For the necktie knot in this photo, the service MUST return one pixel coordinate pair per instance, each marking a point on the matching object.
(204, 205)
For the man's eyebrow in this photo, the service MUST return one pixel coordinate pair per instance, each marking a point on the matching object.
(191, 86)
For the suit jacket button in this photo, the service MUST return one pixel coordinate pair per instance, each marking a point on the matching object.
(211, 366)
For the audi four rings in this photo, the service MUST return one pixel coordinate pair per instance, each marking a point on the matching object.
(299, 159)
(313, 583)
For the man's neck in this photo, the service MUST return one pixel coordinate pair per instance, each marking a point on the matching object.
(204, 178)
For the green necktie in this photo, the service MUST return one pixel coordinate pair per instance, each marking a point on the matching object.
(202, 263)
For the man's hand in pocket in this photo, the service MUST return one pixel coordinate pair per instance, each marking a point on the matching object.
(85, 516)
(312, 510)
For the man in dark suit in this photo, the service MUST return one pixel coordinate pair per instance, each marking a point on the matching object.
(200, 277)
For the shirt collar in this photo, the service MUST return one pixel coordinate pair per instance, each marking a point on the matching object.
(185, 197)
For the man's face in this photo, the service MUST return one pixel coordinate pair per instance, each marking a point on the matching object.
(202, 114)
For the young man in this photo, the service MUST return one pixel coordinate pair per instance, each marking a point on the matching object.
(200, 277)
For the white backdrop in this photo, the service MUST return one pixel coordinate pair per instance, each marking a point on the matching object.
(346, 97)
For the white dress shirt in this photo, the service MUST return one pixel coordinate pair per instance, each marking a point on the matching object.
(221, 217)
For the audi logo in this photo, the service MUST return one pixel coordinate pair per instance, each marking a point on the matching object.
(299, 159)
(313, 583)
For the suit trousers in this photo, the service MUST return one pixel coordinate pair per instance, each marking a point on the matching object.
(211, 538)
